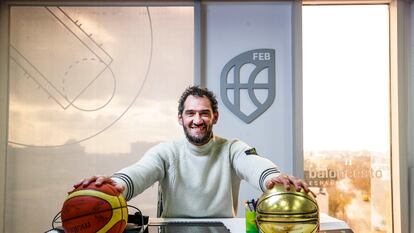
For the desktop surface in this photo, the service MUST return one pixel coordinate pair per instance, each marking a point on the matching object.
(237, 225)
(188, 227)
(220, 225)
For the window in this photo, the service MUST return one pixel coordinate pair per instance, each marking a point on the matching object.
(91, 88)
(346, 99)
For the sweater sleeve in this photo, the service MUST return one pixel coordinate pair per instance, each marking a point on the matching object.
(144, 173)
(251, 167)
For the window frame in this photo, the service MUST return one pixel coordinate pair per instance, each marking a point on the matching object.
(399, 75)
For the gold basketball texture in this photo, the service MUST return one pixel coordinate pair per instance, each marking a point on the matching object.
(282, 211)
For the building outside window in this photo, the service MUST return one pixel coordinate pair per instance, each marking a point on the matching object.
(346, 112)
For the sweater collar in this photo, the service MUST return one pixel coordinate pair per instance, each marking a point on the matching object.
(203, 149)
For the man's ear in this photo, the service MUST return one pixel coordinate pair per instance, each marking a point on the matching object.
(216, 116)
(180, 119)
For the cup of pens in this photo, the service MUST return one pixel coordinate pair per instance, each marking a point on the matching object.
(250, 210)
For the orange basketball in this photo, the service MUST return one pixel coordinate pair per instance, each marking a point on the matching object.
(94, 209)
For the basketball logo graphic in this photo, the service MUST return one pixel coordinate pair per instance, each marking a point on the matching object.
(249, 76)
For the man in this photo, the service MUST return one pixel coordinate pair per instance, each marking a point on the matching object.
(199, 175)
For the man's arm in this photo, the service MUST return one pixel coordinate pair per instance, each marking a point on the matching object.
(249, 165)
(135, 178)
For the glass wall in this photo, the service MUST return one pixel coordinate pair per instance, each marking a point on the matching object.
(346, 113)
(91, 88)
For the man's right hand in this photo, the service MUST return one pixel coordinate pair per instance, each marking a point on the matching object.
(98, 180)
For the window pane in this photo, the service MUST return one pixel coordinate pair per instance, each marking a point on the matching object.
(346, 112)
(91, 88)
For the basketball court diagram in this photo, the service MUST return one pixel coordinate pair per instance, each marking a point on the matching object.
(52, 51)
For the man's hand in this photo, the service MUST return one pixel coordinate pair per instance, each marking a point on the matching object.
(287, 180)
(98, 180)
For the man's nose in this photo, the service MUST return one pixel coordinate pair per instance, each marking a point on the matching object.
(197, 119)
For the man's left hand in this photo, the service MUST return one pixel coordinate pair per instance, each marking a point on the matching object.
(287, 180)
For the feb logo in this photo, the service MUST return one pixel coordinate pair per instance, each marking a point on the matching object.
(249, 80)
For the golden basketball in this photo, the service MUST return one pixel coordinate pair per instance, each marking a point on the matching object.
(282, 211)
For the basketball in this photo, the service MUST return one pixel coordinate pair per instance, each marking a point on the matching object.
(94, 209)
(281, 211)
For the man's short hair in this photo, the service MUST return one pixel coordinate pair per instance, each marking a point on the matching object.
(200, 92)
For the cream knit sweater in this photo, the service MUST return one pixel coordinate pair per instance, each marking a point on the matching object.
(197, 181)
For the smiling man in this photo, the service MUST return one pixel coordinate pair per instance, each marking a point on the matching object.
(197, 113)
(199, 175)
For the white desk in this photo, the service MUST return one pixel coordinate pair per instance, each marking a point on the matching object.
(237, 225)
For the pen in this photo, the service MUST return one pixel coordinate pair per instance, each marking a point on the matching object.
(253, 205)
(249, 205)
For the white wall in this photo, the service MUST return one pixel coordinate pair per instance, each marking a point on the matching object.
(232, 29)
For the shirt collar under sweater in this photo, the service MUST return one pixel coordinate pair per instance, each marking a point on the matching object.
(203, 149)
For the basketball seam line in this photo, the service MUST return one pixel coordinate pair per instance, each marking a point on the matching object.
(83, 215)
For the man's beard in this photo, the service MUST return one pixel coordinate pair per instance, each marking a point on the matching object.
(198, 140)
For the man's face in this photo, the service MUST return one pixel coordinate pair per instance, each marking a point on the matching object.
(198, 119)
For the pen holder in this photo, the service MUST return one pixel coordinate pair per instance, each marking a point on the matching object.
(251, 226)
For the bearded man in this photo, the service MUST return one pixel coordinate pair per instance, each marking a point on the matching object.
(199, 175)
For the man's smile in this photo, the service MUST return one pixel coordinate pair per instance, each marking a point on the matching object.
(198, 128)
